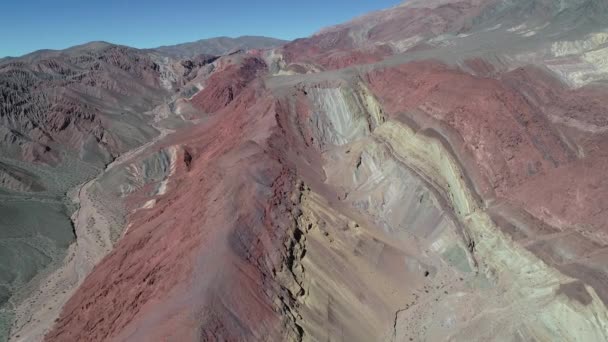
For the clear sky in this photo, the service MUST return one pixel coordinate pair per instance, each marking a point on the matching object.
(29, 25)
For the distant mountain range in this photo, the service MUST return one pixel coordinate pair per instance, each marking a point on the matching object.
(218, 46)
(210, 46)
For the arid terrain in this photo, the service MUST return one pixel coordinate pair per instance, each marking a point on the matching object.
(429, 172)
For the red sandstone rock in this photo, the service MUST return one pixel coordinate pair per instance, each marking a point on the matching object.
(227, 83)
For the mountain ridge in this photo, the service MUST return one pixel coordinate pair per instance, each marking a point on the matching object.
(213, 46)
(218, 46)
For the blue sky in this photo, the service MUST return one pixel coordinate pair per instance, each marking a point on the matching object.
(29, 25)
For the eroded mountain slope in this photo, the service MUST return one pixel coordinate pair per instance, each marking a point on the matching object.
(68, 118)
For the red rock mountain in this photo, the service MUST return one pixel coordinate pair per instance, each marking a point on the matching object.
(429, 172)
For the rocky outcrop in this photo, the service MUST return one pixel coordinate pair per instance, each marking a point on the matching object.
(231, 77)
